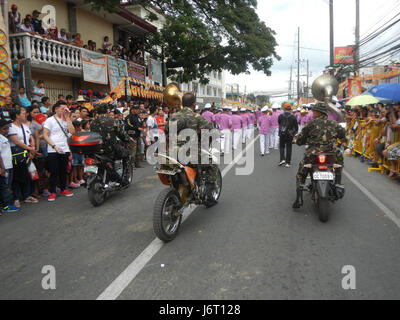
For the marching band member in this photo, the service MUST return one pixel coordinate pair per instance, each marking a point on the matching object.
(264, 123)
(245, 123)
(207, 114)
(274, 135)
(237, 124)
(225, 124)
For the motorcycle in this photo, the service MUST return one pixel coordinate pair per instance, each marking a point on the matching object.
(186, 185)
(323, 187)
(103, 175)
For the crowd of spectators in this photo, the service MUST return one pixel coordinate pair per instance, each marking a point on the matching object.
(36, 161)
(33, 25)
(374, 133)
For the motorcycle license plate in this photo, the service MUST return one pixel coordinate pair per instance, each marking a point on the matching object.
(166, 172)
(91, 169)
(323, 175)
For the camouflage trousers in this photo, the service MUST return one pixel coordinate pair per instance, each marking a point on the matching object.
(303, 172)
(135, 150)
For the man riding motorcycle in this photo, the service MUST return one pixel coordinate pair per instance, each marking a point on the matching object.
(110, 130)
(186, 118)
(320, 135)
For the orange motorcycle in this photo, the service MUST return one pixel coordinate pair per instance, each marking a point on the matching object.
(186, 185)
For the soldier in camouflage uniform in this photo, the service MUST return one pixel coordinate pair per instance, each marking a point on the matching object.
(188, 119)
(110, 130)
(321, 135)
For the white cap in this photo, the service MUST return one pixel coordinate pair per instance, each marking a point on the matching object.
(230, 108)
(235, 110)
(207, 106)
(265, 109)
(243, 110)
(298, 109)
(196, 108)
(276, 106)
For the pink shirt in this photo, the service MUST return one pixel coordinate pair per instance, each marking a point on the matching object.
(209, 116)
(225, 122)
(236, 122)
(333, 116)
(259, 114)
(265, 124)
(274, 119)
(217, 119)
(310, 116)
(303, 120)
(245, 120)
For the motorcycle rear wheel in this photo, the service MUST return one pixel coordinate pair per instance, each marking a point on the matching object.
(323, 210)
(96, 195)
(165, 221)
(217, 191)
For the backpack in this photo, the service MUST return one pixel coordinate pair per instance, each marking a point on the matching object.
(284, 126)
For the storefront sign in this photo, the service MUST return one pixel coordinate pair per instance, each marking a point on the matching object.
(344, 55)
(136, 71)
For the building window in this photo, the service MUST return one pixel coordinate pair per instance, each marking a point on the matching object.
(208, 91)
(215, 92)
(195, 87)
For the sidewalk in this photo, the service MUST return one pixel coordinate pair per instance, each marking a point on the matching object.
(385, 189)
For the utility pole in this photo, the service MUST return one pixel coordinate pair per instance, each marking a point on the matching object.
(331, 33)
(357, 48)
(298, 65)
(290, 83)
(308, 75)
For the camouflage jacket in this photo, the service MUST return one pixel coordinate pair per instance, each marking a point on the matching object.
(321, 134)
(188, 119)
(109, 129)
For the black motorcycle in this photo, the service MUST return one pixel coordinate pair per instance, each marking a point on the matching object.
(323, 188)
(103, 174)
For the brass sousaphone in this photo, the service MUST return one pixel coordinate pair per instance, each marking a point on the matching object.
(323, 89)
(173, 95)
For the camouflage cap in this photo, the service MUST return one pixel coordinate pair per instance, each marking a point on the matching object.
(320, 107)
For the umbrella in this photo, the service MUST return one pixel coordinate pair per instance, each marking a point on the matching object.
(362, 100)
(389, 91)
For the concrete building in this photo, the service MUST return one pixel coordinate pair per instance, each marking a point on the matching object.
(59, 64)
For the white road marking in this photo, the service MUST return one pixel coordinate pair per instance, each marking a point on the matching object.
(389, 213)
(114, 290)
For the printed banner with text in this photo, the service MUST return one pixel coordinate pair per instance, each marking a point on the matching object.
(94, 67)
(116, 71)
(136, 71)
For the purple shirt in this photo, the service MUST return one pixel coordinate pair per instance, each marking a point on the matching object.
(310, 116)
(245, 120)
(259, 114)
(217, 119)
(274, 119)
(303, 120)
(265, 124)
(225, 122)
(333, 116)
(236, 122)
(209, 116)
(253, 118)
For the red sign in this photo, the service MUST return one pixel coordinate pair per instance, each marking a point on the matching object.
(344, 55)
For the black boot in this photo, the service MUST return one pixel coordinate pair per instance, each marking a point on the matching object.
(299, 199)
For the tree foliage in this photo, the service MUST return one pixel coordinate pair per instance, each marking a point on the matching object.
(200, 36)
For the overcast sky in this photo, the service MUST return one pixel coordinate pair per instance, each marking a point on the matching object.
(312, 16)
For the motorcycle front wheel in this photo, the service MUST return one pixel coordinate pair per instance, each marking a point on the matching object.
(166, 220)
(96, 193)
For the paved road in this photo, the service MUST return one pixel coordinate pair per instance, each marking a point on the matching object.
(250, 246)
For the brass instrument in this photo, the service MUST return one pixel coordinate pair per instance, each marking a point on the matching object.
(303, 112)
(173, 95)
(323, 89)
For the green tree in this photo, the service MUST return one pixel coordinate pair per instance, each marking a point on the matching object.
(200, 36)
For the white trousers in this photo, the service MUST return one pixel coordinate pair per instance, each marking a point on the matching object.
(237, 135)
(274, 138)
(250, 131)
(301, 126)
(244, 134)
(226, 144)
(264, 143)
